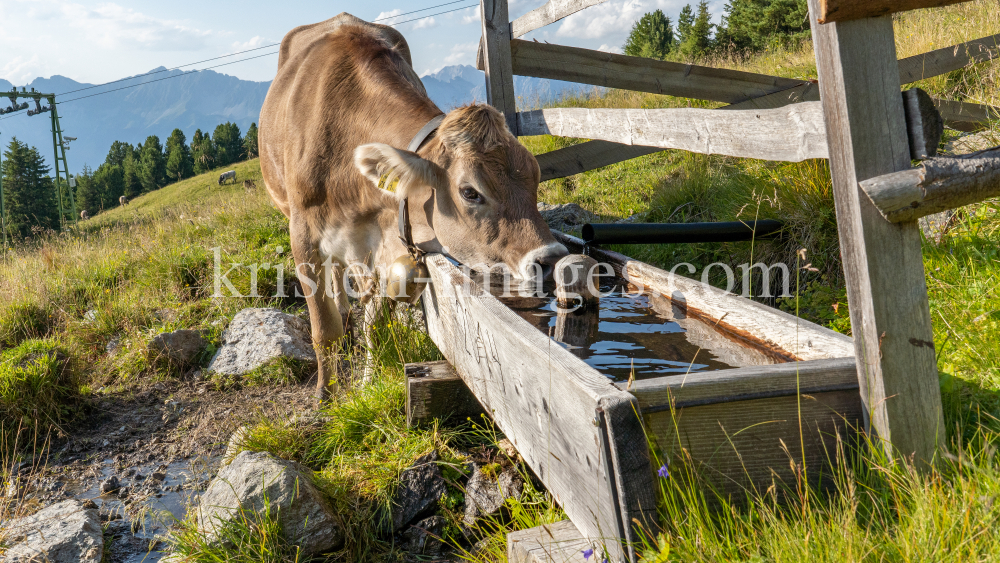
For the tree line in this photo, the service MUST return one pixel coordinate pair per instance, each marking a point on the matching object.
(29, 193)
(747, 26)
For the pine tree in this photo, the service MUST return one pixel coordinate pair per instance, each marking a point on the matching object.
(753, 25)
(88, 191)
(698, 40)
(250, 143)
(118, 152)
(651, 37)
(685, 21)
(180, 165)
(29, 193)
(153, 173)
(132, 176)
(203, 152)
(228, 144)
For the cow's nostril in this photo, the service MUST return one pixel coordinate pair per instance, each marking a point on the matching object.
(546, 269)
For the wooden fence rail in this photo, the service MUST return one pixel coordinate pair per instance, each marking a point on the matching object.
(938, 184)
(536, 58)
(748, 133)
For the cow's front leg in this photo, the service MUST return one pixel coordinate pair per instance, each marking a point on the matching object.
(320, 285)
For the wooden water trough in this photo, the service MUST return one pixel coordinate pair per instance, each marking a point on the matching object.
(588, 438)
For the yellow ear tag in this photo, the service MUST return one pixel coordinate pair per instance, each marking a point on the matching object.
(388, 185)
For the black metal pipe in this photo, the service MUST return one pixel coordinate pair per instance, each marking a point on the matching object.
(672, 233)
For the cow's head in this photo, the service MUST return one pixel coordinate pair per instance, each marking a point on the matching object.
(479, 187)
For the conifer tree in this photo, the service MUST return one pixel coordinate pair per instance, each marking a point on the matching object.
(685, 21)
(753, 25)
(153, 172)
(250, 143)
(651, 37)
(180, 165)
(228, 144)
(203, 152)
(698, 40)
(29, 193)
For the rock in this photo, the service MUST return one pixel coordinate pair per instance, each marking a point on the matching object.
(114, 345)
(424, 537)
(257, 336)
(66, 532)
(306, 517)
(179, 347)
(90, 316)
(565, 217)
(485, 495)
(420, 488)
(110, 485)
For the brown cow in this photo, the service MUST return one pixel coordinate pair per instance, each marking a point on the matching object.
(344, 100)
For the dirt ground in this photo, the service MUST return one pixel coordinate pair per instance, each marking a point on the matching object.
(162, 444)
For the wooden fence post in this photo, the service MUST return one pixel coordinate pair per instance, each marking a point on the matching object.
(497, 61)
(886, 288)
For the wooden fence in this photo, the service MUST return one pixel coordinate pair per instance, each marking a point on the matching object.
(854, 115)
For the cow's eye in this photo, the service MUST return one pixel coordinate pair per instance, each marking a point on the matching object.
(470, 195)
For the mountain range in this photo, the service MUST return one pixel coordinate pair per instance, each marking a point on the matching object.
(169, 99)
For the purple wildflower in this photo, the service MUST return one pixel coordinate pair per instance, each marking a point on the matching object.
(587, 553)
(664, 470)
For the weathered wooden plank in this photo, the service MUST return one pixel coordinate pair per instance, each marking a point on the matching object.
(748, 446)
(793, 133)
(947, 59)
(890, 319)
(844, 10)
(745, 384)
(435, 391)
(560, 542)
(567, 421)
(549, 13)
(937, 185)
(587, 156)
(966, 116)
(610, 70)
(740, 319)
(496, 60)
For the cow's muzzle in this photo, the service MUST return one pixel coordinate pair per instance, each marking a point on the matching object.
(541, 261)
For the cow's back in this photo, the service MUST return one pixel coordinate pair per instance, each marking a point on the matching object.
(337, 85)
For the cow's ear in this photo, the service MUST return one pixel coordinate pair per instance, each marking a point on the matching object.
(384, 165)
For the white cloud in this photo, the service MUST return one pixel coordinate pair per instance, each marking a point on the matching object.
(425, 23)
(254, 42)
(610, 48)
(610, 18)
(462, 53)
(21, 70)
(115, 27)
(388, 18)
(471, 16)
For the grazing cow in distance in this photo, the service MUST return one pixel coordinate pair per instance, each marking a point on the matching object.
(249, 185)
(123, 201)
(342, 110)
(84, 215)
(227, 175)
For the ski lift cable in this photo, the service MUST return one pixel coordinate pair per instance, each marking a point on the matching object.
(232, 62)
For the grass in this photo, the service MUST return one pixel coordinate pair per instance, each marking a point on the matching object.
(132, 272)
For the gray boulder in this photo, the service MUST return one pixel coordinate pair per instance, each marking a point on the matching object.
(65, 532)
(306, 517)
(420, 488)
(258, 336)
(180, 346)
(565, 217)
(484, 495)
(424, 537)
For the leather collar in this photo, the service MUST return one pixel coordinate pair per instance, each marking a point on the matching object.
(425, 133)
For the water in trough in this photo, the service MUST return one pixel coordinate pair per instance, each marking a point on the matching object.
(640, 335)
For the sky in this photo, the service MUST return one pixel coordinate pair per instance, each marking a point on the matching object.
(98, 42)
